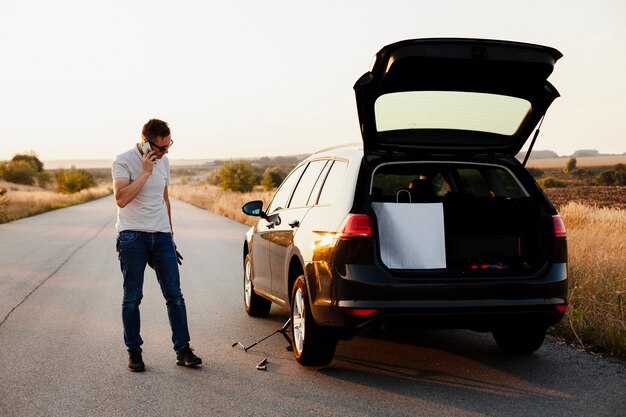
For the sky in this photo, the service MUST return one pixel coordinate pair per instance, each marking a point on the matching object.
(237, 79)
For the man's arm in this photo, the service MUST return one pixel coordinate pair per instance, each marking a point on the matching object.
(166, 198)
(126, 191)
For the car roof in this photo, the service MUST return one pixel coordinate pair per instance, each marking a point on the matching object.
(350, 150)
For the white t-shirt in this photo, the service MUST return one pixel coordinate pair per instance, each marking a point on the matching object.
(147, 212)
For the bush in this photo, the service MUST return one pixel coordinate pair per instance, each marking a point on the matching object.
(73, 180)
(19, 172)
(582, 173)
(551, 182)
(213, 178)
(273, 177)
(4, 204)
(615, 176)
(43, 179)
(22, 169)
(31, 158)
(570, 166)
(238, 176)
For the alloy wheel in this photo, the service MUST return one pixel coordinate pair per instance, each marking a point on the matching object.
(298, 319)
(247, 284)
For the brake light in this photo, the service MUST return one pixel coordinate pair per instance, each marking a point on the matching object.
(561, 308)
(358, 312)
(357, 225)
(559, 227)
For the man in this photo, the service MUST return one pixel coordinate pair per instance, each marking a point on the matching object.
(141, 176)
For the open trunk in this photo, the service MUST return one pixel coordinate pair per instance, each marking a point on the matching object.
(466, 96)
(493, 234)
(473, 219)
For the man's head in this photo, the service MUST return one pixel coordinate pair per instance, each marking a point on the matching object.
(157, 133)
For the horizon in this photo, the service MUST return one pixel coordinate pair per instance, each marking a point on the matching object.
(97, 163)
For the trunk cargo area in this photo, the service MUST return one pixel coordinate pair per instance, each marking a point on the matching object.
(457, 217)
(493, 234)
(484, 235)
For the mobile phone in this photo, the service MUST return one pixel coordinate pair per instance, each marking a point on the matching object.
(145, 147)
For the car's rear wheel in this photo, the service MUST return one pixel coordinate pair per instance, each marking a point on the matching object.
(520, 340)
(255, 304)
(313, 345)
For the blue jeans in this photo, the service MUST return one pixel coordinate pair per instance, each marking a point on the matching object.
(135, 250)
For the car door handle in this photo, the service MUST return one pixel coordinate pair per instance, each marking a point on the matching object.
(294, 223)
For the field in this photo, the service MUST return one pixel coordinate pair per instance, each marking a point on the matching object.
(222, 202)
(596, 319)
(19, 201)
(597, 196)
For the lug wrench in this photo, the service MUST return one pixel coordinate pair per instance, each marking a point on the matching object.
(282, 330)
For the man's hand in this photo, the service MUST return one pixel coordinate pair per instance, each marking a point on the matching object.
(149, 160)
(179, 257)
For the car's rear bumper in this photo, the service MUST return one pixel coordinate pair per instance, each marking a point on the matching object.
(357, 299)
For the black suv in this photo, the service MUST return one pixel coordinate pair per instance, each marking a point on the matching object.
(431, 221)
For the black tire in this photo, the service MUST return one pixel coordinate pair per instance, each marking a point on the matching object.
(313, 345)
(520, 340)
(255, 305)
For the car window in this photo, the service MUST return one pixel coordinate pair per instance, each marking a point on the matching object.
(333, 182)
(428, 181)
(318, 185)
(306, 184)
(283, 193)
(474, 183)
(459, 110)
(488, 181)
(440, 184)
(511, 187)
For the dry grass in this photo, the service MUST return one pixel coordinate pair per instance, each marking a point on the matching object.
(216, 200)
(596, 319)
(24, 201)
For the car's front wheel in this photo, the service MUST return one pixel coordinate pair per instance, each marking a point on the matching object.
(313, 345)
(520, 340)
(256, 305)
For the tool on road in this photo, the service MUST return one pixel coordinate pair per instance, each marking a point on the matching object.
(261, 365)
(283, 330)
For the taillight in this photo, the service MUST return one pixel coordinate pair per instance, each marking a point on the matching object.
(562, 308)
(357, 226)
(559, 253)
(358, 312)
(559, 227)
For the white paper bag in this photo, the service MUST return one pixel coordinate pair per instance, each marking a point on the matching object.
(411, 235)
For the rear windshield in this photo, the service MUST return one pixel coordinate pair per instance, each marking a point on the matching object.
(421, 182)
(456, 110)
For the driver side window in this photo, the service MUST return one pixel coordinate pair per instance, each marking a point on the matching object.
(281, 198)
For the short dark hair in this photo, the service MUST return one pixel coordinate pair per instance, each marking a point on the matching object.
(155, 128)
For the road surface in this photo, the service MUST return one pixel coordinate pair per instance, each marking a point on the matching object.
(62, 354)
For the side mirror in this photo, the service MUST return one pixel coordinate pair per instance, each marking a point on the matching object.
(254, 208)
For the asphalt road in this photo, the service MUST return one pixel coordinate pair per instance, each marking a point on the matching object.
(62, 354)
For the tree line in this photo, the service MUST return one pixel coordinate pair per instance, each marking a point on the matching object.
(27, 169)
(243, 176)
